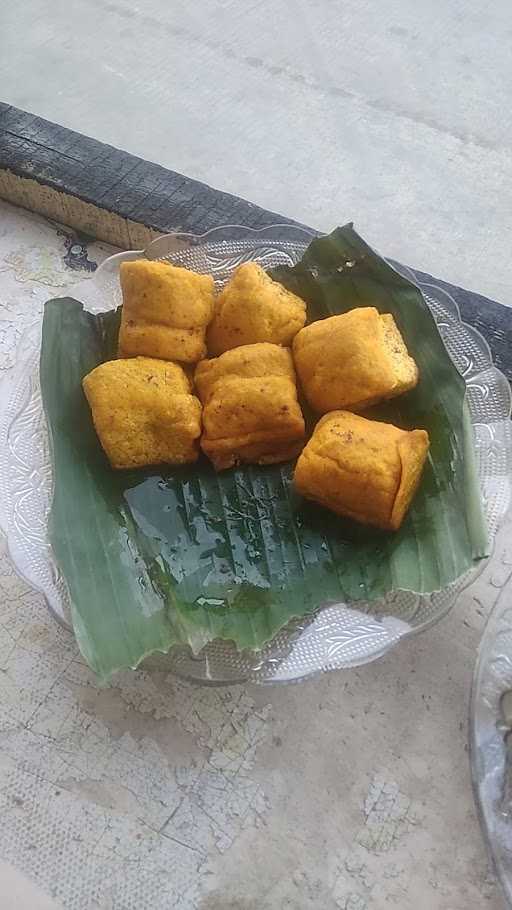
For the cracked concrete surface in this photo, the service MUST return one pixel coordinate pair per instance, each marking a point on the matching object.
(351, 792)
(394, 115)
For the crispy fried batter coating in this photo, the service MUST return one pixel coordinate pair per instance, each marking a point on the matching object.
(353, 361)
(144, 412)
(251, 413)
(362, 468)
(166, 310)
(252, 308)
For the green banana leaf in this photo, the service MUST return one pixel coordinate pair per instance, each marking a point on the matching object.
(164, 556)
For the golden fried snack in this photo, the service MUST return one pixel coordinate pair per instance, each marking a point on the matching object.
(353, 361)
(165, 311)
(362, 468)
(253, 308)
(251, 413)
(144, 412)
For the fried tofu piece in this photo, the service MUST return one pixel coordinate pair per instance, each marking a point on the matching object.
(362, 468)
(144, 412)
(251, 413)
(353, 361)
(252, 308)
(166, 310)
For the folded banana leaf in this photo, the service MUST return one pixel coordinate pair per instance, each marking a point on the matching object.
(165, 556)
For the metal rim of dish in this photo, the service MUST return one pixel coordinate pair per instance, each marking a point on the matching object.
(489, 756)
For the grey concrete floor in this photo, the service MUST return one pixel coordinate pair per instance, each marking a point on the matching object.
(395, 115)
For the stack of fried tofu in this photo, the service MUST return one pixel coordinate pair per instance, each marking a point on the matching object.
(223, 373)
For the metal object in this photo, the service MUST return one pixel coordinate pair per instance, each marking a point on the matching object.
(491, 726)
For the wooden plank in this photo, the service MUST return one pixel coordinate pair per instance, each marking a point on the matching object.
(104, 192)
(108, 194)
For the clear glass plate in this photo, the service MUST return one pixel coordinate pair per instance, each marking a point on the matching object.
(336, 635)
